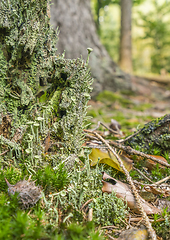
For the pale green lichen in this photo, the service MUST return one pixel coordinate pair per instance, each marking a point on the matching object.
(38, 84)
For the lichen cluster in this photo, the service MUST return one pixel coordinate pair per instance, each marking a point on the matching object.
(38, 86)
(154, 135)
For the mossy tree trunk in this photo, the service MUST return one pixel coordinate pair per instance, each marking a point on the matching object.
(43, 97)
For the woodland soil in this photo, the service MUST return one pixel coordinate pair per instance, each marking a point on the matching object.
(152, 100)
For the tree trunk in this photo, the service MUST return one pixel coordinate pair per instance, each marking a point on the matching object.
(125, 36)
(77, 32)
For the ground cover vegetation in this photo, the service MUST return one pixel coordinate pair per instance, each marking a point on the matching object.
(43, 113)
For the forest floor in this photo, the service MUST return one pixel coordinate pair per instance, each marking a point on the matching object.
(74, 192)
(132, 111)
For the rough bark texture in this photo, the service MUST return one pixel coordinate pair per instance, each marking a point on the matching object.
(125, 36)
(77, 33)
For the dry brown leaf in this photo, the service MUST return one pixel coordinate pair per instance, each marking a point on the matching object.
(159, 190)
(150, 164)
(124, 192)
(163, 203)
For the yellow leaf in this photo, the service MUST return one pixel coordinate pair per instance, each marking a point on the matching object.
(109, 159)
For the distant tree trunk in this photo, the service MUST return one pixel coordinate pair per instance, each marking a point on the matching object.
(77, 33)
(98, 7)
(125, 36)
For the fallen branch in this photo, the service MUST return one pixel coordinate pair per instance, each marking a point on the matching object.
(90, 200)
(134, 191)
(132, 151)
(141, 173)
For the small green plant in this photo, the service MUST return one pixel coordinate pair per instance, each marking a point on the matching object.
(163, 228)
(52, 180)
(166, 155)
(157, 173)
(155, 150)
(12, 174)
(75, 232)
(16, 224)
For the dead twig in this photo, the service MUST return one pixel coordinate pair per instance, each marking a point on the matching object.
(132, 151)
(4, 152)
(162, 180)
(90, 200)
(141, 173)
(111, 226)
(134, 191)
(110, 237)
(125, 139)
(108, 128)
(111, 130)
(138, 219)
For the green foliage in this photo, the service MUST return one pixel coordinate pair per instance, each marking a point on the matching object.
(163, 227)
(148, 140)
(156, 31)
(52, 180)
(76, 232)
(15, 224)
(43, 92)
(86, 185)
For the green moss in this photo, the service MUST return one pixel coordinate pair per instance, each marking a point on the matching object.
(109, 97)
(156, 133)
(142, 107)
(92, 113)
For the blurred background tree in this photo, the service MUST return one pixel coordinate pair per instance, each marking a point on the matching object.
(97, 24)
(150, 32)
(123, 46)
(156, 35)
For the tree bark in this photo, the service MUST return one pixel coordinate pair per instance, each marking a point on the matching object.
(77, 32)
(125, 36)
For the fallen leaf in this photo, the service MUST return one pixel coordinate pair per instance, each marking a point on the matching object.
(150, 164)
(124, 192)
(102, 156)
(115, 125)
(162, 204)
(159, 190)
(134, 234)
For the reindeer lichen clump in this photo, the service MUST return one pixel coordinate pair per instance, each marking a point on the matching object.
(38, 86)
